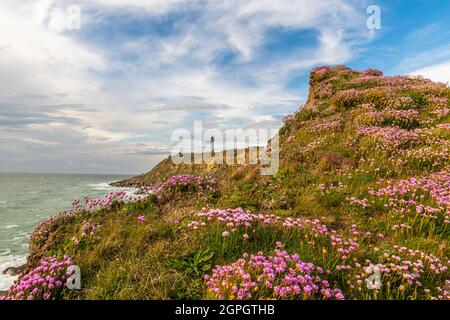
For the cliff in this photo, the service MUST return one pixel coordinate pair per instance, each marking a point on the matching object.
(359, 209)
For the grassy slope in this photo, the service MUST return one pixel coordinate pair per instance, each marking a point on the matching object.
(320, 146)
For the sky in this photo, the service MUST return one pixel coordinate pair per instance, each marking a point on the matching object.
(104, 93)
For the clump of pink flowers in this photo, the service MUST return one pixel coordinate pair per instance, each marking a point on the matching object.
(407, 115)
(186, 182)
(405, 270)
(431, 156)
(390, 137)
(289, 118)
(282, 276)
(361, 202)
(307, 149)
(88, 230)
(398, 84)
(46, 282)
(427, 196)
(106, 202)
(42, 231)
(237, 218)
(329, 124)
(332, 187)
(394, 117)
(141, 219)
(372, 72)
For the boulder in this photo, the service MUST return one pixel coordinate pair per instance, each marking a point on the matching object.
(14, 271)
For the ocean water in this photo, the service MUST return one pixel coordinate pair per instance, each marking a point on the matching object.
(28, 198)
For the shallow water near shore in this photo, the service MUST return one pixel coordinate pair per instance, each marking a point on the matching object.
(28, 198)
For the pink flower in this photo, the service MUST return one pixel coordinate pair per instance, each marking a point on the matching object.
(339, 296)
(270, 277)
(225, 234)
(141, 218)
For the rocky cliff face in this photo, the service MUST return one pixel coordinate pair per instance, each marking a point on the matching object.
(362, 189)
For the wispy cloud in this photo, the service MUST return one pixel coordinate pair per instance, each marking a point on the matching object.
(436, 72)
(138, 69)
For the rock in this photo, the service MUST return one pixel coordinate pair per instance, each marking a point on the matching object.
(14, 271)
(3, 293)
(11, 271)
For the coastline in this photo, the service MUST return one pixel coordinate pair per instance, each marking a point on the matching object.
(126, 184)
(10, 270)
(12, 262)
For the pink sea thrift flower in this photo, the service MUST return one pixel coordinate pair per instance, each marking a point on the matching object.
(282, 276)
(43, 282)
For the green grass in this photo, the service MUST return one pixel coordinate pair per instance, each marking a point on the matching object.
(163, 259)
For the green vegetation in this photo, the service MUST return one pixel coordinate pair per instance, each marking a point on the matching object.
(367, 156)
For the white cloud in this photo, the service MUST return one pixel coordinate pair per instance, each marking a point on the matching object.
(36, 60)
(437, 72)
(156, 7)
(43, 64)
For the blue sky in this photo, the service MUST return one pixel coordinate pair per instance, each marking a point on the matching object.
(105, 98)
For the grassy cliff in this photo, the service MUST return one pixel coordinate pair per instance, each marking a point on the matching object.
(359, 209)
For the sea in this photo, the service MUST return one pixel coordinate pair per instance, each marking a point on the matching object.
(28, 198)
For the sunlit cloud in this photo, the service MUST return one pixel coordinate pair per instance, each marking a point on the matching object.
(106, 97)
